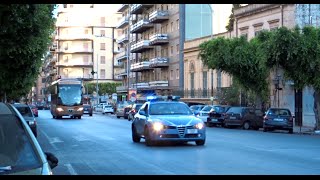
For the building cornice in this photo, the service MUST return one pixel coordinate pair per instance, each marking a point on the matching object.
(254, 9)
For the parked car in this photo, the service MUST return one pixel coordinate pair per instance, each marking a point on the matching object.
(34, 110)
(108, 109)
(27, 114)
(159, 120)
(278, 118)
(203, 113)
(245, 117)
(194, 103)
(20, 152)
(196, 109)
(134, 109)
(120, 111)
(217, 115)
(87, 109)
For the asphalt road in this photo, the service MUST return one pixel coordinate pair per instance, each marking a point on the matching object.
(102, 145)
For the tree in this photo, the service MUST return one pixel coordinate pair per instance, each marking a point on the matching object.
(229, 27)
(243, 60)
(25, 36)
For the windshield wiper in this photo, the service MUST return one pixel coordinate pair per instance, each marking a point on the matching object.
(5, 168)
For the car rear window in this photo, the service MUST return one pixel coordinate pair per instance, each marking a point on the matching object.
(281, 112)
(25, 111)
(108, 106)
(206, 108)
(236, 110)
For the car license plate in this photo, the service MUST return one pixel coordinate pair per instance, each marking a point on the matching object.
(232, 117)
(192, 131)
(276, 119)
(214, 120)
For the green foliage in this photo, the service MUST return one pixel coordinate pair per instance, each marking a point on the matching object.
(230, 24)
(239, 58)
(104, 88)
(25, 35)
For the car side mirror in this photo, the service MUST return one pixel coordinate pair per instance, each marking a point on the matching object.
(52, 160)
(142, 112)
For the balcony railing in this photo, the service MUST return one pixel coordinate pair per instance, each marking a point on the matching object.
(123, 22)
(118, 65)
(140, 66)
(74, 50)
(123, 38)
(121, 56)
(141, 46)
(141, 26)
(74, 64)
(156, 84)
(123, 7)
(141, 85)
(75, 37)
(158, 16)
(158, 39)
(138, 8)
(159, 62)
(121, 72)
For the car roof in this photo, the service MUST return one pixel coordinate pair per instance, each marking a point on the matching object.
(4, 109)
(20, 105)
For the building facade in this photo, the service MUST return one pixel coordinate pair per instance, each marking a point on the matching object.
(152, 55)
(84, 45)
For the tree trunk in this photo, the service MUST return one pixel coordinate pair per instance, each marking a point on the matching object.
(316, 109)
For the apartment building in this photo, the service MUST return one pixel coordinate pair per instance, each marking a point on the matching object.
(84, 44)
(151, 46)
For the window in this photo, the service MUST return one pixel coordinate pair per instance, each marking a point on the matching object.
(102, 33)
(166, 29)
(171, 75)
(102, 46)
(171, 50)
(273, 24)
(204, 82)
(192, 84)
(85, 46)
(257, 32)
(177, 47)
(102, 21)
(257, 28)
(177, 23)
(172, 27)
(102, 59)
(102, 73)
(244, 31)
(177, 73)
(66, 59)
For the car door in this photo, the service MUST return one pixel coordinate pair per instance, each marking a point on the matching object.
(142, 119)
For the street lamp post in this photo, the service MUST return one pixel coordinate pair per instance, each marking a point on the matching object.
(211, 37)
(276, 82)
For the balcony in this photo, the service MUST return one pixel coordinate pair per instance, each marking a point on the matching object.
(124, 21)
(140, 66)
(71, 37)
(123, 7)
(75, 50)
(159, 39)
(122, 88)
(138, 8)
(122, 39)
(141, 26)
(159, 85)
(158, 16)
(121, 72)
(140, 46)
(159, 62)
(141, 85)
(121, 56)
(118, 65)
(118, 78)
(77, 64)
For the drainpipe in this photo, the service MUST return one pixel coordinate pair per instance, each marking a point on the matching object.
(182, 11)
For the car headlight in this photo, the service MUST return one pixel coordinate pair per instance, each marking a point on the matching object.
(32, 122)
(80, 109)
(157, 126)
(200, 126)
(59, 109)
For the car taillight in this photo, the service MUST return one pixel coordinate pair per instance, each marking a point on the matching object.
(134, 111)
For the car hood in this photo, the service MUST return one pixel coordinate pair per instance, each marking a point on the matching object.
(175, 120)
(28, 118)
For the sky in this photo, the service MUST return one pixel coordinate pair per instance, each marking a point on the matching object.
(221, 13)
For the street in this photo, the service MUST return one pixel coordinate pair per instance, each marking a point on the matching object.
(102, 145)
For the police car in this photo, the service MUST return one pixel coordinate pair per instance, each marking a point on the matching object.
(164, 118)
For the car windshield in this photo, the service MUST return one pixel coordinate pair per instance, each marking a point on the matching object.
(16, 151)
(25, 111)
(196, 107)
(170, 108)
(237, 110)
(70, 94)
(138, 107)
(206, 108)
(219, 109)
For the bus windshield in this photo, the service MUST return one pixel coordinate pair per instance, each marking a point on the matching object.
(70, 95)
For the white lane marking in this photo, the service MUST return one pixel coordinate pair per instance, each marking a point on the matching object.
(80, 138)
(71, 169)
(55, 140)
(49, 140)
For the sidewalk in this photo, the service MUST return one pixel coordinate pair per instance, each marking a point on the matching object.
(305, 130)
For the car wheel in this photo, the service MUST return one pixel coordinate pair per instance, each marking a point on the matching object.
(90, 114)
(200, 142)
(246, 125)
(148, 140)
(118, 117)
(79, 117)
(290, 131)
(53, 116)
(265, 129)
(135, 137)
